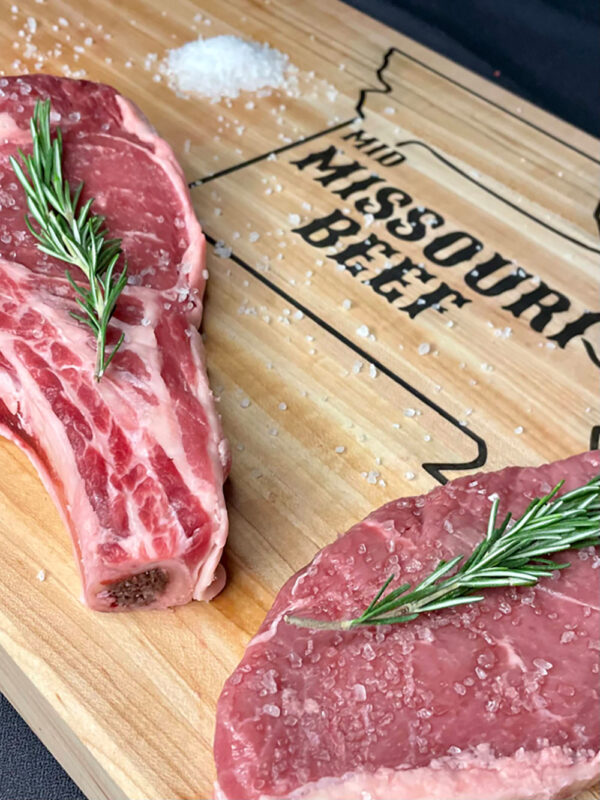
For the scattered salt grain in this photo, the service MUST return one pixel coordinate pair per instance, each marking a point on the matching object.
(359, 691)
(519, 429)
(363, 331)
(410, 476)
(372, 371)
(409, 412)
(424, 349)
(271, 710)
(294, 219)
(347, 305)
(282, 406)
(222, 250)
(245, 402)
(254, 236)
(41, 576)
(340, 449)
(222, 66)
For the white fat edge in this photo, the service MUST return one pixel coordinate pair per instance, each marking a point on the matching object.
(304, 573)
(163, 156)
(548, 772)
(270, 632)
(217, 451)
(544, 588)
(9, 390)
(35, 413)
(162, 425)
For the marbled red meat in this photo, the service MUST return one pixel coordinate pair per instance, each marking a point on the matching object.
(496, 700)
(135, 463)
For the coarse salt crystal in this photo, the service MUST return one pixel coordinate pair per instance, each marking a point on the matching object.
(271, 710)
(410, 476)
(340, 449)
(347, 305)
(424, 349)
(363, 331)
(41, 576)
(222, 250)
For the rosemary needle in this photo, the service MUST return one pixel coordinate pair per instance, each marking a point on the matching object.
(509, 555)
(67, 230)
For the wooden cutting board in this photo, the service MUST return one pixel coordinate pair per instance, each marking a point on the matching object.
(341, 385)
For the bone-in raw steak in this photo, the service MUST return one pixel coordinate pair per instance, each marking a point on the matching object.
(493, 701)
(135, 463)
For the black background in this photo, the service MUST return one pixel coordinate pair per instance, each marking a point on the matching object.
(547, 51)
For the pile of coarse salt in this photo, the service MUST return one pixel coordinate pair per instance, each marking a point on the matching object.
(222, 66)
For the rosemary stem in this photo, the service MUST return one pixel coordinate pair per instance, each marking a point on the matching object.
(320, 624)
(505, 557)
(70, 232)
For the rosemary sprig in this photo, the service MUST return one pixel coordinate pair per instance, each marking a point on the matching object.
(509, 555)
(67, 230)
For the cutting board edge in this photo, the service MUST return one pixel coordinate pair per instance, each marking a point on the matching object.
(55, 734)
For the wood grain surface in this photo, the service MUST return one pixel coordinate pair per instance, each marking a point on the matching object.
(341, 385)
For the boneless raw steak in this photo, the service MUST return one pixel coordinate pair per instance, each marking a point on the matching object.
(136, 462)
(493, 701)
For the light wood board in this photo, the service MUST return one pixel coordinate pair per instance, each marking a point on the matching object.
(127, 702)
